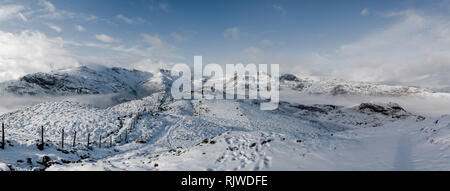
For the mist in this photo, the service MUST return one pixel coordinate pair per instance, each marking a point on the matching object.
(10, 103)
(432, 105)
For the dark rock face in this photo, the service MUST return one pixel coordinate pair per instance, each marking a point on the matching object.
(391, 109)
(41, 79)
(79, 81)
(289, 77)
(309, 108)
(300, 87)
(45, 161)
(316, 108)
(56, 82)
(339, 90)
(294, 82)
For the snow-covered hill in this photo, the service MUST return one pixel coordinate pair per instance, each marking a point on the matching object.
(81, 80)
(157, 132)
(327, 86)
(341, 87)
(99, 86)
(102, 80)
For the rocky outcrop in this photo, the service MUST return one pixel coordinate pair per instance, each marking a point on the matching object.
(391, 109)
(288, 77)
(78, 81)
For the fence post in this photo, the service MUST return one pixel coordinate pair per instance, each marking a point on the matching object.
(74, 138)
(89, 136)
(110, 141)
(62, 140)
(41, 146)
(100, 142)
(126, 135)
(42, 136)
(3, 136)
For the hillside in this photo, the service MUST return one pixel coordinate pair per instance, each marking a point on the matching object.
(156, 132)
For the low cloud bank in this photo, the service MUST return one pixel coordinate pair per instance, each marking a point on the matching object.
(13, 103)
(31, 52)
(433, 105)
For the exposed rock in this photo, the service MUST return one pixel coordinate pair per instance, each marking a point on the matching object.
(289, 77)
(308, 108)
(339, 90)
(338, 87)
(79, 81)
(390, 109)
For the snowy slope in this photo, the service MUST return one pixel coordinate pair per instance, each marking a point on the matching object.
(326, 86)
(81, 80)
(273, 141)
(342, 87)
(156, 132)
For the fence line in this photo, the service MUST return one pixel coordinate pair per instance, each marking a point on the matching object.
(151, 110)
(3, 136)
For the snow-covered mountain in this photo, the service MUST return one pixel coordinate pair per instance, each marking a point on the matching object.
(342, 87)
(102, 80)
(446, 89)
(157, 132)
(329, 86)
(79, 81)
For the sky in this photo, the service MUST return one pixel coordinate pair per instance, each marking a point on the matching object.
(405, 42)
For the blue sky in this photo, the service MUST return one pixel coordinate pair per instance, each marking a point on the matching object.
(401, 42)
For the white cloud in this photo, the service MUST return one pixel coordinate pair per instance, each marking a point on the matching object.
(47, 5)
(279, 8)
(232, 33)
(29, 52)
(151, 46)
(130, 20)
(54, 27)
(44, 9)
(151, 65)
(105, 38)
(22, 17)
(11, 11)
(178, 37)
(365, 11)
(253, 54)
(154, 40)
(164, 7)
(125, 19)
(414, 50)
(158, 47)
(80, 28)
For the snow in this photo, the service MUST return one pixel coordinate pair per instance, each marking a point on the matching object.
(156, 132)
(430, 104)
(329, 86)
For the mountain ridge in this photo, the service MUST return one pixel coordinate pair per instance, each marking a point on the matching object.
(84, 80)
(158, 132)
